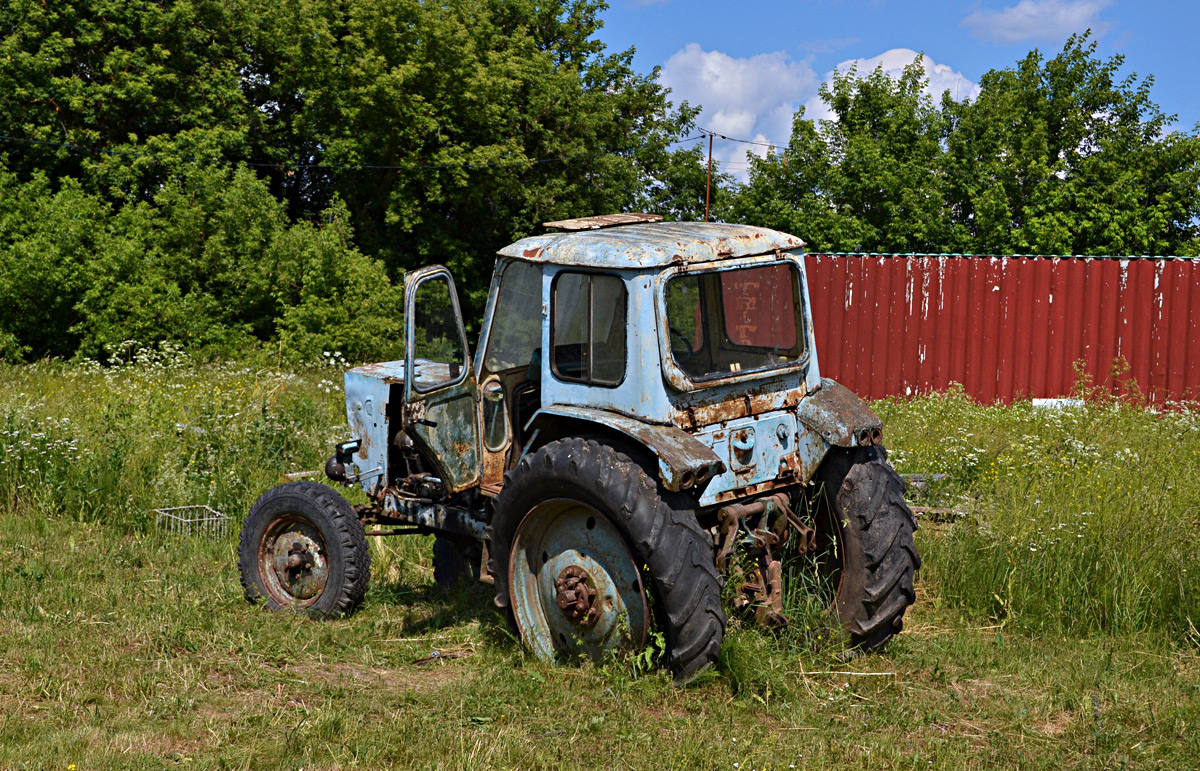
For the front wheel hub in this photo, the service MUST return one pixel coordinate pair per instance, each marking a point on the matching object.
(576, 596)
(293, 562)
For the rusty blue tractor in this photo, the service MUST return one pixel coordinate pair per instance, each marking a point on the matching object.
(642, 432)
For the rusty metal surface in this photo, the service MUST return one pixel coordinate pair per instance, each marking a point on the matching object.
(684, 461)
(706, 408)
(576, 596)
(492, 478)
(387, 371)
(441, 411)
(747, 536)
(574, 584)
(762, 452)
(645, 393)
(603, 221)
(445, 425)
(292, 562)
(840, 417)
(650, 398)
(651, 245)
(368, 390)
(1006, 327)
(434, 516)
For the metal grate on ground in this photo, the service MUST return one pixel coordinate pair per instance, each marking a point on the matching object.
(192, 520)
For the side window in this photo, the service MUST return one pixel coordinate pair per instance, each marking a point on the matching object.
(588, 331)
(438, 351)
(516, 330)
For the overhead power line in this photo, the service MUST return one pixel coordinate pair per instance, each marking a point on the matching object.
(760, 143)
(328, 166)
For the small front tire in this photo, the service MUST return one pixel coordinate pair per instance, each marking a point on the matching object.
(303, 548)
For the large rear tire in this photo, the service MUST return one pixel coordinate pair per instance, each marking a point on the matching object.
(303, 548)
(865, 538)
(580, 533)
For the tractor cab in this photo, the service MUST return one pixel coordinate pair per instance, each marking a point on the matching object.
(662, 331)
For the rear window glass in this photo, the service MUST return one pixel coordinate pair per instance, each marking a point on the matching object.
(738, 320)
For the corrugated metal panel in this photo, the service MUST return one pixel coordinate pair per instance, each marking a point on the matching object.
(1006, 327)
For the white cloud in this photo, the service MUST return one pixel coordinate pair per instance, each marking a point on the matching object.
(941, 78)
(756, 98)
(1031, 20)
(747, 98)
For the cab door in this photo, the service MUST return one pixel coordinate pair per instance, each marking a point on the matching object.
(440, 392)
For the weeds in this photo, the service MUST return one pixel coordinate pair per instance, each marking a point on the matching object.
(109, 444)
(1081, 519)
(122, 647)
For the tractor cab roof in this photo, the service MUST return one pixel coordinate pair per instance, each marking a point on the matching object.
(651, 245)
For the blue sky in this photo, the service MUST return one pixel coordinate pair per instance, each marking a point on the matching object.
(752, 63)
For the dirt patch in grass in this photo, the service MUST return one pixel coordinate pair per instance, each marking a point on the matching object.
(973, 690)
(1057, 724)
(424, 679)
(153, 743)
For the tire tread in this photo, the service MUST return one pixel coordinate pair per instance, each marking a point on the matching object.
(676, 552)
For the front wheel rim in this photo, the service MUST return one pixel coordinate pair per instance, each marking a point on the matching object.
(293, 563)
(575, 585)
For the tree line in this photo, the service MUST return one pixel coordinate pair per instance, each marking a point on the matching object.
(1054, 156)
(228, 175)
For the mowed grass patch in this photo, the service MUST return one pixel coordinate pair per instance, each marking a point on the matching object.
(136, 651)
(121, 647)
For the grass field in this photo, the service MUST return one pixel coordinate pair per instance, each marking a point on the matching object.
(1055, 625)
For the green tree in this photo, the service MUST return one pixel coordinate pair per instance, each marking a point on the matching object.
(1054, 156)
(867, 179)
(679, 186)
(1059, 156)
(793, 191)
(212, 262)
(123, 76)
(447, 129)
(47, 241)
(218, 149)
(501, 114)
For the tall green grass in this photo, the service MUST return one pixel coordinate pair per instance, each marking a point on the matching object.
(110, 444)
(1080, 520)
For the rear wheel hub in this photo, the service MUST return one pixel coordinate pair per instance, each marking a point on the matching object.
(576, 596)
(575, 586)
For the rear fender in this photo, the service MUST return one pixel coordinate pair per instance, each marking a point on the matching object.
(684, 462)
(840, 417)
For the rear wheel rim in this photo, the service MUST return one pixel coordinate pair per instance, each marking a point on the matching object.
(575, 585)
(293, 562)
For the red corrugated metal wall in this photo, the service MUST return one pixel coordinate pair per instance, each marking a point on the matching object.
(1005, 327)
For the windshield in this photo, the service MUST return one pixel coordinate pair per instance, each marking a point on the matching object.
(732, 321)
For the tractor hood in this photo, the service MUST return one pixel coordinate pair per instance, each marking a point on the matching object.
(369, 393)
